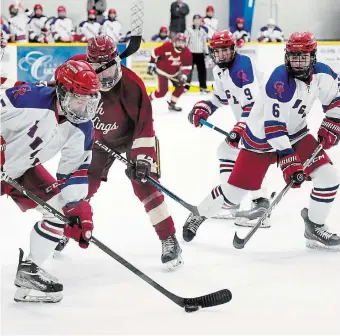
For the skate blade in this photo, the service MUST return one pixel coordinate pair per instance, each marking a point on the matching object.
(315, 245)
(174, 264)
(246, 222)
(227, 217)
(28, 295)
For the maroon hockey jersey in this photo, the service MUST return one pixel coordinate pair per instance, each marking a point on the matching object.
(124, 116)
(169, 60)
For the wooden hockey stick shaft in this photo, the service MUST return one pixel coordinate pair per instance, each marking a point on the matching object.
(209, 300)
(239, 243)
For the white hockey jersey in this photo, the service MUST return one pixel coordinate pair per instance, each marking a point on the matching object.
(237, 86)
(35, 26)
(62, 29)
(211, 24)
(112, 29)
(241, 34)
(270, 35)
(88, 29)
(34, 133)
(18, 27)
(278, 118)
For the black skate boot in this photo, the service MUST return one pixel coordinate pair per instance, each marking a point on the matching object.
(174, 108)
(249, 218)
(191, 226)
(171, 253)
(317, 235)
(61, 245)
(34, 284)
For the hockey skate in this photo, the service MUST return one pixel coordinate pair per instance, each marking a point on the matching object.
(61, 245)
(227, 212)
(191, 226)
(249, 218)
(317, 235)
(173, 108)
(34, 284)
(171, 253)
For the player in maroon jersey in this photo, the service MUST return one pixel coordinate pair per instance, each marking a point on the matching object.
(171, 60)
(124, 123)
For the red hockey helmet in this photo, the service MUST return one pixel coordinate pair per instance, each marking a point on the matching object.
(91, 12)
(102, 49)
(222, 48)
(61, 9)
(210, 9)
(163, 30)
(180, 40)
(300, 54)
(112, 11)
(13, 10)
(37, 6)
(240, 20)
(77, 90)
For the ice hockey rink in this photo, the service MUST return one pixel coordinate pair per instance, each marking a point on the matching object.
(279, 286)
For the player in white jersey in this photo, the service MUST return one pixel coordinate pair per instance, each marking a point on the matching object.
(62, 27)
(240, 34)
(111, 26)
(18, 24)
(270, 33)
(37, 123)
(277, 131)
(36, 25)
(210, 22)
(237, 85)
(90, 28)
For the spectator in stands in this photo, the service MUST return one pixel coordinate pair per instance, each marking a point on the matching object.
(90, 27)
(111, 26)
(270, 33)
(162, 36)
(62, 27)
(179, 10)
(239, 32)
(197, 44)
(99, 6)
(5, 35)
(210, 22)
(36, 25)
(18, 23)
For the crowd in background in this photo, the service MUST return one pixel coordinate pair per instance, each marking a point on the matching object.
(31, 25)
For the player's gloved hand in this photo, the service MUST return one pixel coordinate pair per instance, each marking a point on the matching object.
(182, 78)
(2, 152)
(329, 132)
(236, 134)
(240, 43)
(201, 110)
(151, 69)
(140, 169)
(81, 226)
(292, 169)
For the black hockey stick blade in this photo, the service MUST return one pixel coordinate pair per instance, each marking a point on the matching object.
(238, 242)
(210, 300)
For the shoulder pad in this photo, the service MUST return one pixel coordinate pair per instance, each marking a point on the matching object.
(280, 85)
(241, 71)
(320, 67)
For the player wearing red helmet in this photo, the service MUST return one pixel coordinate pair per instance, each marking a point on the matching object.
(36, 25)
(162, 36)
(124, 123)
(89, 28)
(171, 60)
(210, 21)
(37, 123)
(240, 33)
(277, 132)
(61, 27)
(236, 84)
(112, 27)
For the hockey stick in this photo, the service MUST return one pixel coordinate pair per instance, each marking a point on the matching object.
(137, 20)
(189, 304)
(238, 242)
(166, 191)
(208, 124)
(160, 72)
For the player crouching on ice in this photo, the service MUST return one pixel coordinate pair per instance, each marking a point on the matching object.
(171, 61)
(277, 131)
(236, 84)
(124, 124)
(37, 123)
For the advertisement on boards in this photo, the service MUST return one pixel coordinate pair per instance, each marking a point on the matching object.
(329, 54)
(38, 63)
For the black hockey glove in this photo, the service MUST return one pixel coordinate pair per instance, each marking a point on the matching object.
(140, 169)
(151, 69)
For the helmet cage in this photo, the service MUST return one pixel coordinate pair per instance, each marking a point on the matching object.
(298, 65)
(227, 52)
(110, 76)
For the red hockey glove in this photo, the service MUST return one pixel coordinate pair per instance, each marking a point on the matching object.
(292, 169)
(201, 110)
(81, 226)
(140, 169)
(236, 134)
(2, 151)
(240, 43)
(329, 132)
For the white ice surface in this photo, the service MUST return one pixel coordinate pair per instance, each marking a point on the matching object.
(279, 286)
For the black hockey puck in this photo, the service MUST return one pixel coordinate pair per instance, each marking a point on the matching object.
(190, 309)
